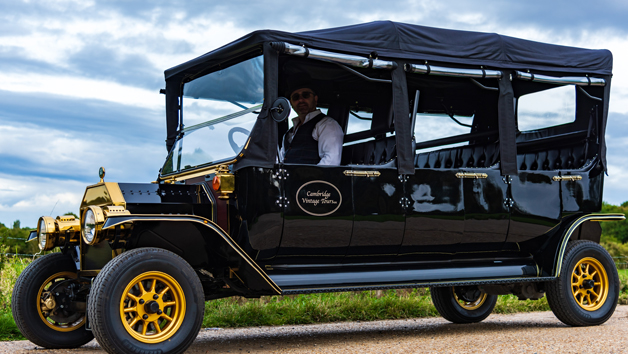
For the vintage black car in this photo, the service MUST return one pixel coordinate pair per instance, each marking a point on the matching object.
(451, 178)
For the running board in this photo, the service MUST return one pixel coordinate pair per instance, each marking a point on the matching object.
(400, 278)
(418, 285)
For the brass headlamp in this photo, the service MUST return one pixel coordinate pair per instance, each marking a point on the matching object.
(54, 232)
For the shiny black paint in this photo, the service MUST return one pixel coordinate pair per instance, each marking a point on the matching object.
(530, 216)
(584, 195)
(149, 198)
(96, 256)
(379, 222)
(435, 215)
(391, 273)
(258, 212)
(486, 215)
(311, 238)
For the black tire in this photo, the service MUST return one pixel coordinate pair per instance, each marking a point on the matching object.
(462, 304)
(123, 288)
(42, 326)
(589, 265)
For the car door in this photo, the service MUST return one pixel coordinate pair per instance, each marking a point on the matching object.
(486, 210)
(317, 213)
(536, 201)
(435, 210)
(379, 221)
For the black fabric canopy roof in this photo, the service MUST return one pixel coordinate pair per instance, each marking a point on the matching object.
(413, 42)
(401, 43)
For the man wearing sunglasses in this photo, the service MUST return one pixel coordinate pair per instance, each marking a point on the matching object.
(314, 137)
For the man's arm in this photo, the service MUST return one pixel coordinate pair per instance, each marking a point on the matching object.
(330, 137)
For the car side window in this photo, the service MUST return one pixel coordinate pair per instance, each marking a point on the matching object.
(432, 126)
(546, 108)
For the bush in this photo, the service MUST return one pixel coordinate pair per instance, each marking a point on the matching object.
(616, 231)
(10, 269)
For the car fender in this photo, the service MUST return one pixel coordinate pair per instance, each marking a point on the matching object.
(216, 243)
(569, 232)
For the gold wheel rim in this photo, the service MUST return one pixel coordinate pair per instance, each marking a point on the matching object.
(589, 284)
(45, 308)
(137, 307)
(470, 305)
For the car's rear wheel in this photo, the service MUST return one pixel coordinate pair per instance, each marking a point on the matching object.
(146, 300)
(586, 292)
(466, 304)
(45, 306)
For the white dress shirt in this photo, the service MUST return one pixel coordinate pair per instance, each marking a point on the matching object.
(328, 134)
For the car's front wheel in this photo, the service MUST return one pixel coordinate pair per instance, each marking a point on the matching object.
(47, 304)
(146, 300)
(586, 292)
(464, 304)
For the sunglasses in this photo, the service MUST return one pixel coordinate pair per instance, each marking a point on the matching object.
(305, 95)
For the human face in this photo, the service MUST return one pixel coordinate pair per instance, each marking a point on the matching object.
(302, 105)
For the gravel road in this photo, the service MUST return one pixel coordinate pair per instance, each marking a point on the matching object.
(538, 332)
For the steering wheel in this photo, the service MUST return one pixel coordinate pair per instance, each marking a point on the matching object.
(236, 148)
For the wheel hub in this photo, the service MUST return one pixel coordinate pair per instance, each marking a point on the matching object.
(152, 307)
(589, 284)
(56, 303)
(469, 298)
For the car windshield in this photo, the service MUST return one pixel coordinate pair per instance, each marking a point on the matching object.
(219, 110)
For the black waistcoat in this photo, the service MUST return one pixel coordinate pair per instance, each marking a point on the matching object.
(303, 148)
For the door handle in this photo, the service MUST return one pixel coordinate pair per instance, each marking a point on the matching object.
(471, 175)
(362, 173)
(567, 178)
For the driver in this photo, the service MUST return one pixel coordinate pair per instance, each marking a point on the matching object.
(314, 137)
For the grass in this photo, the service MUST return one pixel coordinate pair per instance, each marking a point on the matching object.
(300, 309)
(336, 307)
(9, 271)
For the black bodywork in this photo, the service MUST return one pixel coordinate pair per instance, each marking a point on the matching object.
(494, 210)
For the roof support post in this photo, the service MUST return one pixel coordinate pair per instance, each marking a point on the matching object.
(403, 124)
(507, 128)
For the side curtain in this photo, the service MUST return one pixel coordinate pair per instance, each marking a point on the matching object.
(507, 128)
(403, 124)
(262, 147)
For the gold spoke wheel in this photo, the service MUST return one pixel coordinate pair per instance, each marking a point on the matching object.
(47, 306)
(470, 305)
(152, 307)
(589, 284)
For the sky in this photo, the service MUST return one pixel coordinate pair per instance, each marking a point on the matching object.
(80, 79)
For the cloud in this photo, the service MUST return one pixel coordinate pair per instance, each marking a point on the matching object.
(26, 199)
(79, 78)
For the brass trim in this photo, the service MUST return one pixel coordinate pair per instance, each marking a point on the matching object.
(212, 225)
(226, 182)
(471, 175)
(567, 178)
(574, 226)
(362, 173)
(99, 220)
(116, 194)
(109, 191)
(181, 176)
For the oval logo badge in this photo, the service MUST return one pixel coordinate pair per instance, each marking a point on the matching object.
(319, 198)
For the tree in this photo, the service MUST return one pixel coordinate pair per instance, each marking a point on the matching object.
(615, 230)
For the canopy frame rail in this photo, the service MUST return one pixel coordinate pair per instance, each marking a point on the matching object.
(561, 80)
(428, 69)
(359, 74)
(589, 95)
(355, 61)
